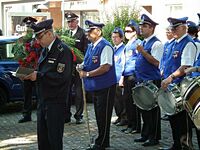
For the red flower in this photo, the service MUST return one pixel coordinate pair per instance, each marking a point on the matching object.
(36, 44)
(74, 56)
(28, 46)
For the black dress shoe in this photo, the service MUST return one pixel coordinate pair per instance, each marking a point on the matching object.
(135, 131)
(141, 139)
(117, 121)
(165, 117)
(79, 121)
(122, 123)
(24, 119)
(95, 147)
(151, 143)
(166, 148)
(67, 120)
(129, 130)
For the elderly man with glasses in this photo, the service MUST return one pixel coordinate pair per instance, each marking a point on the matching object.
(81, 43)
(181, 56)
(53, 77)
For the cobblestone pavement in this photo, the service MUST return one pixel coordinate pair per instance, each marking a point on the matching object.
(15, 136)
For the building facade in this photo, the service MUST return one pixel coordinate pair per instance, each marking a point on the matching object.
(100, 10)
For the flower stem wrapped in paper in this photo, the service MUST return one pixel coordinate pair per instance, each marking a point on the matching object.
(70, 41)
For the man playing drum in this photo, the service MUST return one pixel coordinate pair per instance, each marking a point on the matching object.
(146, 68)
(182, 55)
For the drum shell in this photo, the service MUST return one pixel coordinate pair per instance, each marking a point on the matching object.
(145, 95)
(170, 100)
(191, 96)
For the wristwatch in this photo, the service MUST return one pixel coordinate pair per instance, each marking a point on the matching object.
(87, 74)
(172, 76)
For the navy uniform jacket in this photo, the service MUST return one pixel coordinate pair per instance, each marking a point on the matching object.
(54, 73)
(81, 40)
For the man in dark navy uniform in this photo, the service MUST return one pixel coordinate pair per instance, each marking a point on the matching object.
(100, 81)
(29, 85)
(146, 69)
(81, 43)
(182, 56)
(53, 78)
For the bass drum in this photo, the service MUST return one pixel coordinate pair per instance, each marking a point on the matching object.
(170, 100)
(145, 95)
(190, 90)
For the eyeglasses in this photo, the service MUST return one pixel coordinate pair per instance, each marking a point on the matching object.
(128, 31)
(41, 36)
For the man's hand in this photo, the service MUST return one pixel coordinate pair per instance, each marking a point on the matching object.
(140, 48)
(32, 76)
(166, 82)
(191, 69)
(82, 74)
(79, 67)
(121, 81)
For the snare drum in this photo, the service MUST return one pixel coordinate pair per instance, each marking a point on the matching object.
(170, 100)
(145, 95)
(190, 90)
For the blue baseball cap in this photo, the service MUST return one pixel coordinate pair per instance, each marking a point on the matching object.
(199, 18)
(118, 30)
(146, 20)
(191, 24)
(175, 22)
(134, 24)
(93, 25)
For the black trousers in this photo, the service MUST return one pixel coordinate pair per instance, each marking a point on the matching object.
(103, 106)
(119, 104)
(181, 131)
(133, 113)
(76, 84)
(29, 86)
(50, 125)
(151, 128)
(198, 136)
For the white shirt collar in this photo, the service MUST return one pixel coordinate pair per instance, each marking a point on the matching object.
(74, 31)
(117, 46)
(50, 45)
(95, 44)
(178, 40)
(147, 39)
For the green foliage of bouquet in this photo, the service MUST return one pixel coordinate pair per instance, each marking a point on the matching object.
(70, 41)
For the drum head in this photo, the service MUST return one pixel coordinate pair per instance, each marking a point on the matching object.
(185, 84)
(167, 106)
(143, 98)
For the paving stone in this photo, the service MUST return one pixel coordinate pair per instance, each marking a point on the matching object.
(15, 136)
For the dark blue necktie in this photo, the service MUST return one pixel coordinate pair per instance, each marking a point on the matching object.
(144, 42)
(45, 52)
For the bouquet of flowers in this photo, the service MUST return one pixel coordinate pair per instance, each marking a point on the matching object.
(27, 50)
(70, 41)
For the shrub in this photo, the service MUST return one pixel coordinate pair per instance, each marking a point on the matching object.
(121, 17)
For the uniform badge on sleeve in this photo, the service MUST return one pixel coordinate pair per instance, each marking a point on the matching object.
(60, 67)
